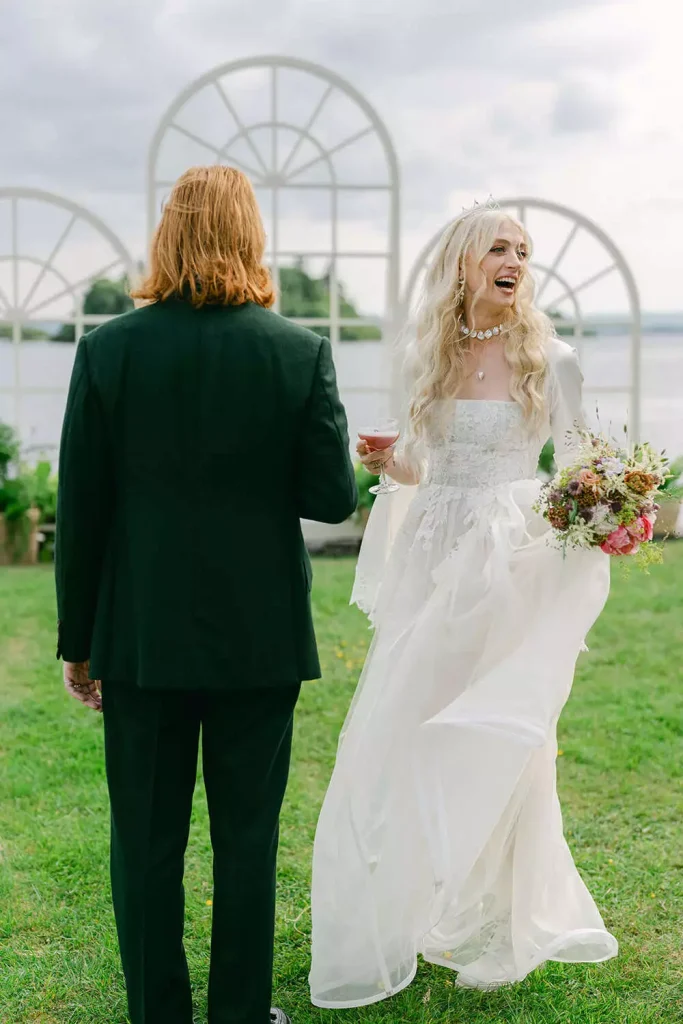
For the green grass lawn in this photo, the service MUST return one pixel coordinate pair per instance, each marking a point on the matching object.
(620, 782)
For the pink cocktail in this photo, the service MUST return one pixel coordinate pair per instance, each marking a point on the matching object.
(378, 438)
(377, 441)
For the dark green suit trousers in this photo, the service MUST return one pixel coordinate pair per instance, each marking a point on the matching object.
(151, 744)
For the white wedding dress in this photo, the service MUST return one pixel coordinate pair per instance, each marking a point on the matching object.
(441, 831)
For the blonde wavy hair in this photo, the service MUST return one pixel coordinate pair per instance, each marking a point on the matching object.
(435, 362)
(209, 244)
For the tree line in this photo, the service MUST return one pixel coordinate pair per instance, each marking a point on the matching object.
(301, 295)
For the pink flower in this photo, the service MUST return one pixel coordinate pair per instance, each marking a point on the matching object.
(641, 530)
(589, 481)
(620, 542)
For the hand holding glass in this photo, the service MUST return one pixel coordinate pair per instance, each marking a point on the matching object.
(378, 438)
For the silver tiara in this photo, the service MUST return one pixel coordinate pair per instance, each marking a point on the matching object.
(490, 204)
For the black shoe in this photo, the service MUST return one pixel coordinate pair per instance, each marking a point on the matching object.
(279, 1017)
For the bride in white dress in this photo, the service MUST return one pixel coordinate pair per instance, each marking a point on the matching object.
(441, 831)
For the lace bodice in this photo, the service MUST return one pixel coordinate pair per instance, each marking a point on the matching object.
(480, 445)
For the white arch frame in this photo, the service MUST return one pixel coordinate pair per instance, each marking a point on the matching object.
(278, 174)
(551, 273)
(18, 312)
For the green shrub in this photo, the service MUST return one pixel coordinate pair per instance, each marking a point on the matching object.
(42, 485)
(15, 503)
(364, 481)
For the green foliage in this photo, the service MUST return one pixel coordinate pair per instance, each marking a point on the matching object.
(673, 485)
(32, 487)
(104, 298)
(304, 296)
(9, 450)
(22, 488)
(566, 330)
(546, 461)
(108, 297)
(619, 772)
(14, 493)
(15, 498)
(15, 503)
(42, 487)
(364, 481)
(67, 332)
(27, 333)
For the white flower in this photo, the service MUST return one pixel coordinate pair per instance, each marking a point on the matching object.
(603, 521)
(612, 467)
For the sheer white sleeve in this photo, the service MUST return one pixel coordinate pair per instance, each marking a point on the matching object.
(387, 515)
(565, 400)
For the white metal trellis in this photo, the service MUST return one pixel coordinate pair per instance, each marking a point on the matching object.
(274, 170)
(38, 284)
(569, 291)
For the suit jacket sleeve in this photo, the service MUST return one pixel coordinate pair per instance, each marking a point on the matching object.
(326, 486)
(84, 505)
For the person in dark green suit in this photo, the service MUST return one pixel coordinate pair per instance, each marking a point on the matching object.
(199, 430)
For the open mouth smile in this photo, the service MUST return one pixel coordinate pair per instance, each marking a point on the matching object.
(506, 284)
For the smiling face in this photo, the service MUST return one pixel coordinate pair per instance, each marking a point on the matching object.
(493, 281)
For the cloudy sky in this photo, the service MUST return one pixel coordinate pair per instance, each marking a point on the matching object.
(574, 101)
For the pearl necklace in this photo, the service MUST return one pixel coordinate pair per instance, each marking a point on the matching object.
(493, 332)
(482, 335)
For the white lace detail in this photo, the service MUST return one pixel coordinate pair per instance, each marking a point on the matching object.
(480, 447)
(436, 502)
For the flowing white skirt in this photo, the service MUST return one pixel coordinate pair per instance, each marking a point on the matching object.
(441, 832)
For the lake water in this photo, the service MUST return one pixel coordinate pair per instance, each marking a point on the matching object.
(363, 378)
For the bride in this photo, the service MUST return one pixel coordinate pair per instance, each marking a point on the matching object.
(441, 832)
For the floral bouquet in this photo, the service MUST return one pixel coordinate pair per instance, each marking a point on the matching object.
(606, 498)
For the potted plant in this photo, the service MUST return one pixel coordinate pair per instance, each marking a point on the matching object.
(18, 514)
(670, 499)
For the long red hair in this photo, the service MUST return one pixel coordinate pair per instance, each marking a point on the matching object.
(209, 244)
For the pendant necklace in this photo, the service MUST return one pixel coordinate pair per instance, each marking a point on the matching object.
(492, 332)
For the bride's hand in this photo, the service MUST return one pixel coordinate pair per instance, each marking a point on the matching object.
(374, 460)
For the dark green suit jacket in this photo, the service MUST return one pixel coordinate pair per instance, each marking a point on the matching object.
(193, 442)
